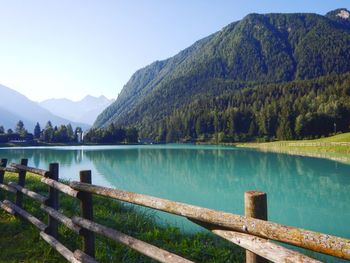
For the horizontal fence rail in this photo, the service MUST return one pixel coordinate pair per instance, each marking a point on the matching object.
(9, 169)
(250, 233)
(318, 242)
(264, 248)
(8, 188)
(60, 186)
(61, 218)
(138, 245)
(33, 195)
(23, 213)
(33, 170)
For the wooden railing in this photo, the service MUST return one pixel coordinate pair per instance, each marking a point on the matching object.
(246, 231)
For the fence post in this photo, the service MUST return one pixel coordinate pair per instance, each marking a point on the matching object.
(3, 163)
(52, 201)
(255, 206)
(87, 213)
(21, 182)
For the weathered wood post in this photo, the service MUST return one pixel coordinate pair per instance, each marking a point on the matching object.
(255, 205)
(52, 201)
(87, 213)
(3, 163)
(21, 182)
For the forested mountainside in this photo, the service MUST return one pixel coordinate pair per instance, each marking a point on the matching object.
(273, 75)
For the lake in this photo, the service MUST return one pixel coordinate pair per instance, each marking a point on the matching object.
(304, 192)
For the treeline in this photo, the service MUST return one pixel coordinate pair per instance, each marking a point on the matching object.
(112, 134)
(61, 134)
(19, 133)
(66, 134)
(292, 110)
(50, 134)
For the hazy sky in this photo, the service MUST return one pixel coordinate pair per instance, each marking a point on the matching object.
(71, 48)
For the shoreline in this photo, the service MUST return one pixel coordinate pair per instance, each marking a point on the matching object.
(335, 148)
(40, 144)
(334, 156)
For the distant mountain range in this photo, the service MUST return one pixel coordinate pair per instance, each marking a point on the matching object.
(14, 107)
(182, 95)
(83, 111)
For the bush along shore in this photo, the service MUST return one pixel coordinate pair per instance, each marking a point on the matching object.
(20, 241)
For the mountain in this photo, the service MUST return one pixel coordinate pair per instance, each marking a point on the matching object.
(258, 50)
(84, 111)
(15, 106)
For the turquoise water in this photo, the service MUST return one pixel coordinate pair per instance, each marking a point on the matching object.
(303, 192)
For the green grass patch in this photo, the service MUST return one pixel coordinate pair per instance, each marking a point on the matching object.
(335, 147)
(20, 241)
(343, 137)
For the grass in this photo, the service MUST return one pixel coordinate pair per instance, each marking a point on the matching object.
(343, 137)
(328, 147)
(20, 241)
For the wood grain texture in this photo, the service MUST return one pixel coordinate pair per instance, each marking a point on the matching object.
(61, 218)
(60, 186)
(255, 206)
(264, 248)
(323, 243)
(33, 170)
(23, 213)
(138, 245)
(65, 252)
(21, 182)
(27, 192)
(80, 255)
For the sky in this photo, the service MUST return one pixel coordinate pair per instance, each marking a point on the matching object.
(71, 48)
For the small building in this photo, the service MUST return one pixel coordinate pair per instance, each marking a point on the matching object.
(80, 136)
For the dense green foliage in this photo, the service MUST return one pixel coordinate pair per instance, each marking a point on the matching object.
(112, 135)
(17, 236)
(226, 79)
(298, 109)
(291, 110)
(20, 133)
(62, 134)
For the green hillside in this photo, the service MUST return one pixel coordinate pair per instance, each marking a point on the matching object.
(269, 61)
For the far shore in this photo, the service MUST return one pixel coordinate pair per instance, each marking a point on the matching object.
(10, 145)
(335, 148)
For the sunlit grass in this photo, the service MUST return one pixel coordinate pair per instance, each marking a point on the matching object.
(20, 241)
(329, 147)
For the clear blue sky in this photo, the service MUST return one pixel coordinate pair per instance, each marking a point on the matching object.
(71, 48)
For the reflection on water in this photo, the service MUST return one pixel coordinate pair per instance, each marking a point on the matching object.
(305, 192)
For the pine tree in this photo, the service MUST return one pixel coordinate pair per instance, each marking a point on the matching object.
(20, 129)
(48, 132)
(37, 131)
(70, 132)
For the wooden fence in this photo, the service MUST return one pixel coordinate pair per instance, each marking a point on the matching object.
(251, 232)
